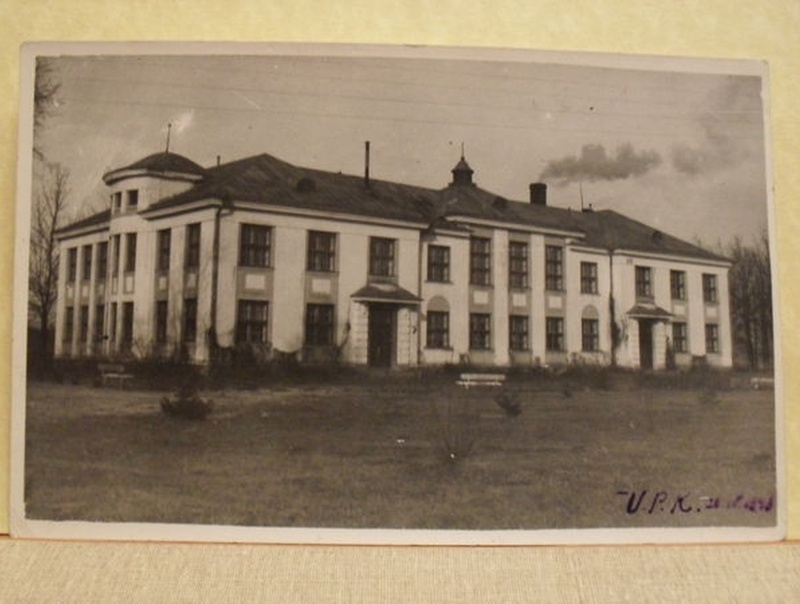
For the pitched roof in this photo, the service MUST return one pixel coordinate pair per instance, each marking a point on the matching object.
(164, 162)
(268, 180)
(96, 219)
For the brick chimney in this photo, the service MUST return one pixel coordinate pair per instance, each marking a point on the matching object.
(538, 194)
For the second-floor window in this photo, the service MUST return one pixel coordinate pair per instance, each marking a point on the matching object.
(518, 264)
(480, 261)
(116, 244)
(321, 251)
(86, 268)
(644, 282)
(164, 249)
(255, 247)
(677, 285)
(438, 263)
(588, 277)
(130, 252)
(72, 264)
(102, 260)
(554, 268)
(381, 257)
(710, 293)
(133, 199)
(193, 245)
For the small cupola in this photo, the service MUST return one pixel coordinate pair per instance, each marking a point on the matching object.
(462, 173)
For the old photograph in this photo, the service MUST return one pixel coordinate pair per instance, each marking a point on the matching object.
(384, 294)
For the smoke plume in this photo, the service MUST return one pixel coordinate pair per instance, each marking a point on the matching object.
(594, 163)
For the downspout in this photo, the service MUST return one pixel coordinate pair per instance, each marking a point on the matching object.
(419, 293)
(611, 309)
(212, 330)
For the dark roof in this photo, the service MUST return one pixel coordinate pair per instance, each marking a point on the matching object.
(268, 180)
(94, 220)
(610, 230)
(264, 179)
(385, 292)
(164, 162)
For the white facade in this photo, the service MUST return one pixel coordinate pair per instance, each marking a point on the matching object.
(329, 286)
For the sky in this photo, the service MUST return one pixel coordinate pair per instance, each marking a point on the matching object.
(681, 151)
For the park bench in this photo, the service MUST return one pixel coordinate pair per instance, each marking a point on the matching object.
(762, 383)
(113, 372)
(469, 380)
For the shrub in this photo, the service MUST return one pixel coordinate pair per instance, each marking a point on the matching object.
(187, 404)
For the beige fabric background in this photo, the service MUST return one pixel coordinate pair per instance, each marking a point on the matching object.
(79, 572)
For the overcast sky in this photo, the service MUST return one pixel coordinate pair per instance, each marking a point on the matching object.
(683, 152)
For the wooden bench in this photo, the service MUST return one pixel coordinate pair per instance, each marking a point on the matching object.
(112, 372)
(469, 380)
(762, 383)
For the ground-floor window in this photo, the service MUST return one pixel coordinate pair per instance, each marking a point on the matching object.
(680, 337)
(98, 322)
(161, 321)
(712, 337)
(69, 323)
(127, 323)
(554, 334)
(83, 332)
(190, 320)
(480, 333)
(319, 324)
(438, 329)
(518, 332)
(112, 323)
(251, 322)
(590, 335)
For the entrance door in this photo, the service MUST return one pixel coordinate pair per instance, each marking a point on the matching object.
(646, 344)
(381, 335)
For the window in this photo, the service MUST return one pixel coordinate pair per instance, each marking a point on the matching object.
(86, 263)
(127, 323)
(712, 337)
(480, 261)
(162, 308)
(83, 331)
(251, 322)
(644, 282)
(164, 244)
(133, 199)
(116, 242)
(554, 268)
(518, 264)
(130, 252)
(112, 323)
(588, 277)
(438, 329)
(710, 288)
(72, 264)
(319, 324)
(190, 319)
(518, 332)
(69, 323)
(480, 335)
(102, 260)
(554, 334)
(98, 322)
(381, 257)
(116, 202)
(590, 335)
(680, 341)
(193, 245)
(438, 263)
(321, 251)
(255, 245)
(677, 285)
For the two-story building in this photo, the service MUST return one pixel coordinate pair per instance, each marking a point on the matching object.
(260, 256)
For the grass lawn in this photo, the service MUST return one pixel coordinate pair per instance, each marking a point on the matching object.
(373, 453)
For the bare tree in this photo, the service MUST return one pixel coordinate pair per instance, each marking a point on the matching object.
(44, 99)
(751, 300)
(48, 212)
